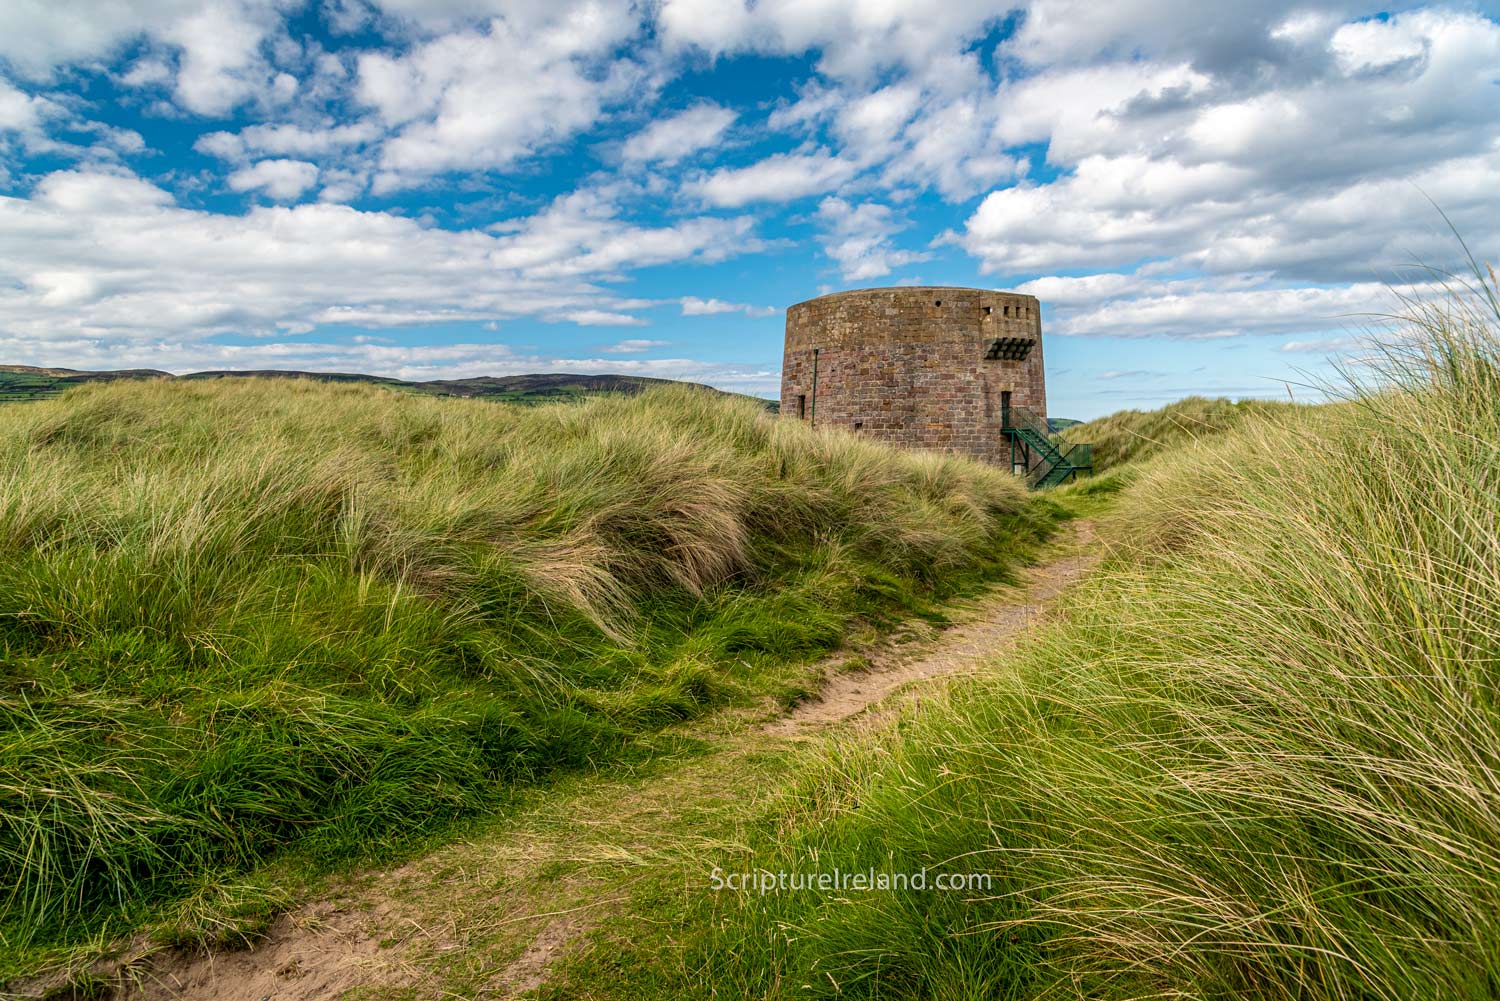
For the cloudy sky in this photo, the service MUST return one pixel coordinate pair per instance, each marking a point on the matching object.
(1208, 198)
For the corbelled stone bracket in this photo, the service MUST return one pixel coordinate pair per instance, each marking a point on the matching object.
(1009, 348)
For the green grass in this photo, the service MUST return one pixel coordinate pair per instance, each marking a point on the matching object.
(1132, 435)
(245, 620)
(1260, 758)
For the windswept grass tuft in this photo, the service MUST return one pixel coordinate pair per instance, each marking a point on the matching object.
(243, 616)
(1259, 759)
(1131, 435)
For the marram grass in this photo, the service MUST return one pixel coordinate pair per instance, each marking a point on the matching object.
(1259, 758)
(1134, 435)
(245, 616)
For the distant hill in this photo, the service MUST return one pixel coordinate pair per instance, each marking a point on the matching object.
(1056, 424)
(23, 382)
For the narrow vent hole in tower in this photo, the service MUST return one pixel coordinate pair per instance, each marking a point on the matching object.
(937, 302)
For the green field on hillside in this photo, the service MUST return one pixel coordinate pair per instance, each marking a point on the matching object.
(18, 386)
(249, 619)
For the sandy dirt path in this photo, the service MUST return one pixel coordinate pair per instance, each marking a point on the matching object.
(500, 909)
(982, 630)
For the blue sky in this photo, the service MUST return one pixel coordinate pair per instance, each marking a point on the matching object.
(1207, 198)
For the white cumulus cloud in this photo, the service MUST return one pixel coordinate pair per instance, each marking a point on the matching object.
(283, 180)
(858, 238)
(633, 346)
(671, 139)
(779, 178)
(155, 272)
(603, 318)
(483, 98)
(694, 306)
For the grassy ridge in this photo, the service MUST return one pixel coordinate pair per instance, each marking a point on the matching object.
(1131, 435)
(241, 615)
(1259, 759)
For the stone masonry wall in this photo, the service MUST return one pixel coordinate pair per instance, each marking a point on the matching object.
(907, 365)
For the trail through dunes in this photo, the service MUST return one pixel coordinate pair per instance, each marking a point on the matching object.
(490, 916)
(981, 633)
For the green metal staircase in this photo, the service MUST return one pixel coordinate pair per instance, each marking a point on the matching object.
(1048, 461)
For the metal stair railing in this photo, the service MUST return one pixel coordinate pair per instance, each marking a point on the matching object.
(1057, 465)
(1014, 418)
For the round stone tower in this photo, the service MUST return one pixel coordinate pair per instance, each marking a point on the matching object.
(927, 367)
